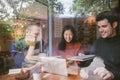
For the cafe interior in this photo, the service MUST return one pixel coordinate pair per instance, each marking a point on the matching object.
(13, 28)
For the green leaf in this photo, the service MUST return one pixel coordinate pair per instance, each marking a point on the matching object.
(21, 45)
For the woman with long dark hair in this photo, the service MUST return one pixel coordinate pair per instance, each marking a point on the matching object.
(68, 46)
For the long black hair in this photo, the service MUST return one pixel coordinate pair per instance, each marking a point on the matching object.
(62, 44)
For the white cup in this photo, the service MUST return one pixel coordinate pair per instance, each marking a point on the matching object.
(36, 76)
(42, 54)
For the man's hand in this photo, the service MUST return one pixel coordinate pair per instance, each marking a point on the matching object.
(84, 74)
(30, 38)
(104, 73)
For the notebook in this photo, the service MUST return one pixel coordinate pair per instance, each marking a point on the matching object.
(14, 71)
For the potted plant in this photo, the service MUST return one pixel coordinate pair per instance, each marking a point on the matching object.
(21, 45)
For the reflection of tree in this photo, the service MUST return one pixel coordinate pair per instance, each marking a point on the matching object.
(12, 8)
(5, 35)
(57, 7)
(84, 7)
(5, 30)
(19, 27)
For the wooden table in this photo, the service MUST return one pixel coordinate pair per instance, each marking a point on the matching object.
(44, 76)
(21, 76)
(49, 76)
(7, 77)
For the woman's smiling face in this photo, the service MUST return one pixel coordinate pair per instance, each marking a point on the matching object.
(68, 36)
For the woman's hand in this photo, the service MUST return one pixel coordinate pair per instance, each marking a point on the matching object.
(104, 73)
(81, 54)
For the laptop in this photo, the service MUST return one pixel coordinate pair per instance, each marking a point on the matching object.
(54, 65)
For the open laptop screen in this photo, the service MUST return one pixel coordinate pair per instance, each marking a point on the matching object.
(54, 65)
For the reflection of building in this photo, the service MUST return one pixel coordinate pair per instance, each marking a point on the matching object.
(57, 27)
(39, 13)
(59, 23)
(86, 31)
(35, 11)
